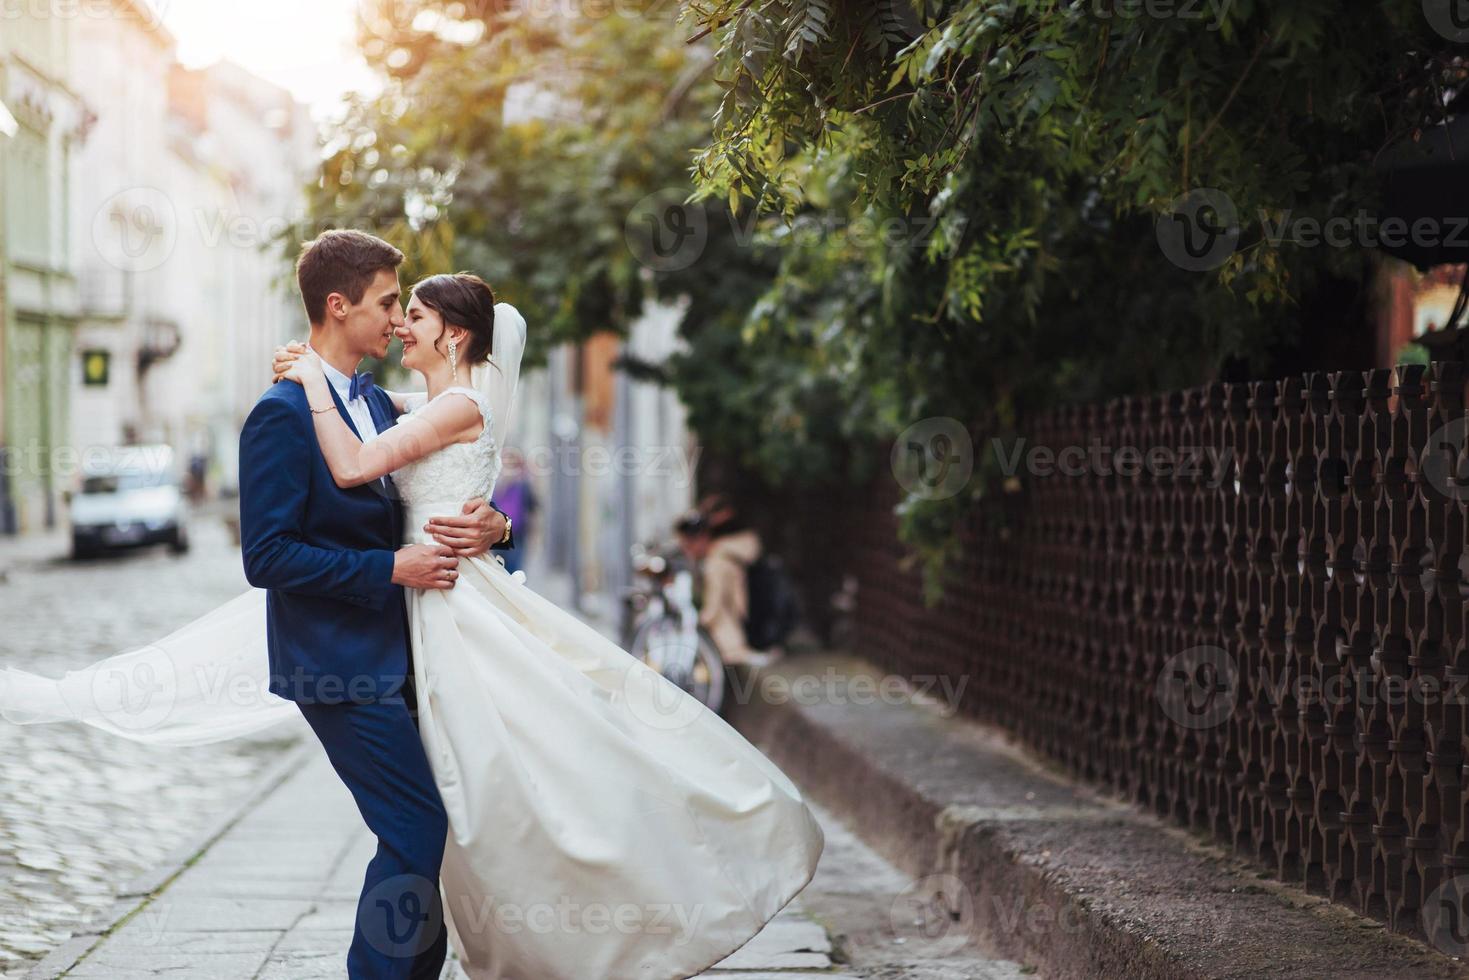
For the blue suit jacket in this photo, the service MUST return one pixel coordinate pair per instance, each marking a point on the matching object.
(336, 623)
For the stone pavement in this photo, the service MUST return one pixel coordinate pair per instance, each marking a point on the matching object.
(273, 897)
(1029, 864)
(82, 811)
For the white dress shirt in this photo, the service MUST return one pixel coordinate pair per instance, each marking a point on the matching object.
(356, 407)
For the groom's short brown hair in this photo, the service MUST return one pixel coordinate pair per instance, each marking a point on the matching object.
(340, 262)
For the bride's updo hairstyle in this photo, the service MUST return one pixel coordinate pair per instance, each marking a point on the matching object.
(462, 300)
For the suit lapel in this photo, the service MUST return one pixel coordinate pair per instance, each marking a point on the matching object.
(381, 408)
(342, 410)
(381, 417)
(385, 489)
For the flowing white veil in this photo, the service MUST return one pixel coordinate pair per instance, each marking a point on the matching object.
(498, 376)
(209, 680)
(206, 682)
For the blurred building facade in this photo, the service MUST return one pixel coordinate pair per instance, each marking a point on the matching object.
(143, 287)
(121, 223)
(184, 184)
(612, 458)
(142, 283)
(41, 122)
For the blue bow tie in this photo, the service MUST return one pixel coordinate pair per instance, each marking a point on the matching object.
(361, 385)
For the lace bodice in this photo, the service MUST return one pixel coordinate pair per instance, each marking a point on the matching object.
(455, 473)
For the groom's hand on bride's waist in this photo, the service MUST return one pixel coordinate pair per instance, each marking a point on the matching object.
(470, 534)
(425, 566)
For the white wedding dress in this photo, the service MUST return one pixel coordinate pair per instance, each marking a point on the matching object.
(604, 825)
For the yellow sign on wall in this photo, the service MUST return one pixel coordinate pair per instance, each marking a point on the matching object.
(95, 364)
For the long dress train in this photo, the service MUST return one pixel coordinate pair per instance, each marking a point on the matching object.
(604, 825)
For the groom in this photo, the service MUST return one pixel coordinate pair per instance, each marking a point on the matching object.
(336, 622)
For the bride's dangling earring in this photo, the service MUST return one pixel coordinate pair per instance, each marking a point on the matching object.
(454, 359)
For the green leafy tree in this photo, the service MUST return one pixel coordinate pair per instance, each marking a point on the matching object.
(549, 202)
(1031, 148)
(914, 208)
(537, 202)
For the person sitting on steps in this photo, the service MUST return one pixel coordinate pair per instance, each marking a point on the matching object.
(713, 536)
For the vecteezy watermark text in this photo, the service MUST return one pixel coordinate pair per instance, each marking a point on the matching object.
(1207, 463)
(1200, 230)
(1199, 688)
(666, 232)
(1213, 11)
(150, 13)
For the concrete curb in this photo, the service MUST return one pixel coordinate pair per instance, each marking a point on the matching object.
(1035, 867)
(140, 890)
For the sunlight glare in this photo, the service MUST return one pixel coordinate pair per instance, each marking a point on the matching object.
(308, 48)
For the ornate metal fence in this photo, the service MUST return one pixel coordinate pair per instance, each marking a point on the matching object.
(1242, 606)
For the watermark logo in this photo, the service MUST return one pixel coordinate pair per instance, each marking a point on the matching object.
(652, 698)
(1209, 464)
(940, 692)
(864, 231)
(937, 910)
(560, 11)
(678, 923)
(1200, 230)
(1450, 18)
(1213, 11)
(136, 692)
(135, 230)
(666, 234)
(1441, 458)
(401, 916)
(903, 18)
(933, 458)
(1363, 230)
(1443, 917)
(149, 13)
(1198, 687)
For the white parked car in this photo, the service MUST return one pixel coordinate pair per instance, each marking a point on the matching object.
(134, 498)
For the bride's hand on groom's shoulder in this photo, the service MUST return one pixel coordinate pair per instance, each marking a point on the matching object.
(306, 367)
(285, 359)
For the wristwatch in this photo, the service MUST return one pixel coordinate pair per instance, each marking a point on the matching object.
(506, 536)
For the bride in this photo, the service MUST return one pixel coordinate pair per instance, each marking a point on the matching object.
(602, 822)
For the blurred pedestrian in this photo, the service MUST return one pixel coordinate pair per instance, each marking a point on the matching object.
(724, 548)
(198, 473)
(515, 496)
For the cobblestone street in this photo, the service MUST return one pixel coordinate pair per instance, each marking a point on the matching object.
(237, 911)
(82, 811)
